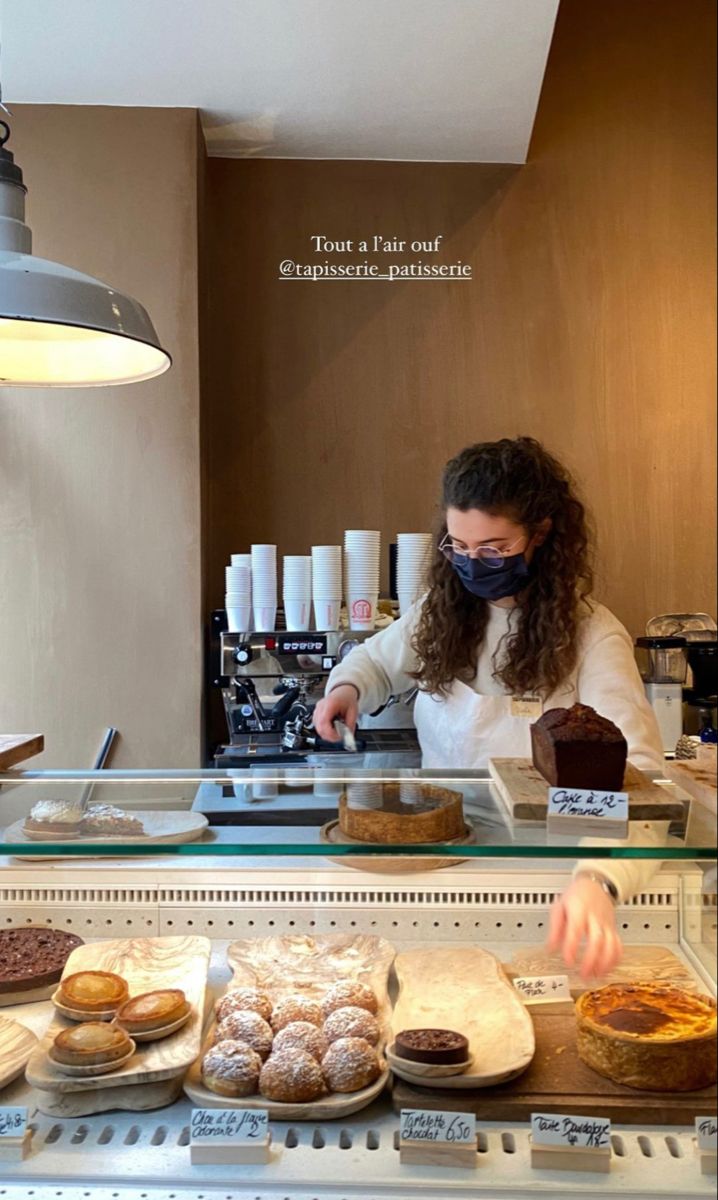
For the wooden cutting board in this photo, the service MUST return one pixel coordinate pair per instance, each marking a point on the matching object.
(306, 966)
(16, 1045)
(465, 988)
(524, 793)
(16, 747)
(640, 964)
(557, 1081)
(138, 1097)
(698, 779)
(146, 964)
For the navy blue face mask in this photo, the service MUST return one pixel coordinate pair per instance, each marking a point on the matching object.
(493, 583)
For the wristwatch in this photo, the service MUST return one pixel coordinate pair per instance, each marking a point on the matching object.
(609, 888)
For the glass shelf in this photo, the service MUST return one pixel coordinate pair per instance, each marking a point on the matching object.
(268, 812)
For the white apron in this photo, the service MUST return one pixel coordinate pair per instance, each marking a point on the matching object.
(464, 730)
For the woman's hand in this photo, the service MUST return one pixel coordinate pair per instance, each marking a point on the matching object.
(343, 703)
(585, 913)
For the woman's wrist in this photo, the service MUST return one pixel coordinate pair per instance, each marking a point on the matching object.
(605, 884)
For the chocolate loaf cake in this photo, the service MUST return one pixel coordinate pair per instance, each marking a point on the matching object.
(578, 748)
(33, 956)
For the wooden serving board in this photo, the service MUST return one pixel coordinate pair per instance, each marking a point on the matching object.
(146, 964)
(139, 1097)
(640, 964)
(16, 1045)
(557, 1081)
(161, 828)
(465, 989)
(696, 778)
(524, 793)
(16, 747)
(29, 996)
(285, 966)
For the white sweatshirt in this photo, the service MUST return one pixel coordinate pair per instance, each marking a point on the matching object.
(605, 677)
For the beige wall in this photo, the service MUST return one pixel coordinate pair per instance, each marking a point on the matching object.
(589, 322)
(99, 489)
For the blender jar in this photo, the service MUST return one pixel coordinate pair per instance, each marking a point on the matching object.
(662, 659)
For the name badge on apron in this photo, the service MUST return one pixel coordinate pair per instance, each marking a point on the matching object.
(528, 707)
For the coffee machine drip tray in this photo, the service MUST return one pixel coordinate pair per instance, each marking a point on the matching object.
(377, 748)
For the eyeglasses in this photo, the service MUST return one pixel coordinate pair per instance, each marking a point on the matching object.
(490, 556)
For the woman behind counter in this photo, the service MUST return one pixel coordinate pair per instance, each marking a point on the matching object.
(508, 615)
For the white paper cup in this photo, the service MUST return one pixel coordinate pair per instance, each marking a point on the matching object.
(264, 783)
(297, 614)
(326, 614)
(364, 795)
(362, 609)
(327, 784)
(265, 617)
(238, 617)
(241, 560)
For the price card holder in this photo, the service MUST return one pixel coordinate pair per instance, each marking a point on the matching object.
(547, 994)
(15, 1137)
(587, 813)
(560, 1142)
(230, 1135)
(437, 1139)
(707, 1143)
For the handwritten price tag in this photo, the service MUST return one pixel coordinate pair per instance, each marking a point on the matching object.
(543, 987)
(579, 802)
(236, 1125)
(422, 1125)
(556, 1129)
(13, 1122)
(707, 1134)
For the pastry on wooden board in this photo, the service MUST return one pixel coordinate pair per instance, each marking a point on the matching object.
(438, 1047)
(92, 1044)
(152, 1010)
(58, 817)
(231, 1068)
(292, 1076)
(33, 957)
(93, 991)
(652, 1037)
(437, 816)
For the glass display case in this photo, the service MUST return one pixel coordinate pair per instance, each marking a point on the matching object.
(433, 889)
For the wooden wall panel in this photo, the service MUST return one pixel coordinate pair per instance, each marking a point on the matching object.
(589, 322)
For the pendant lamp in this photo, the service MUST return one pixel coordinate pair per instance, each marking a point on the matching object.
(59, 328)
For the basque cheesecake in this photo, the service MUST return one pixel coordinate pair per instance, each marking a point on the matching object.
(434, 815)
(92, 991)
(649, 1036)
(93, 1044)
(152, 1010)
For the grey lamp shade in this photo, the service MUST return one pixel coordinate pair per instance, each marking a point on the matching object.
(60, 328)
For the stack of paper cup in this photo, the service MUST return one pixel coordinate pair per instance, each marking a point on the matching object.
(364, 795)
(297, 591)
(412, 562)
(264, 587)
(361, 576)
(327, 586)
(238, 594)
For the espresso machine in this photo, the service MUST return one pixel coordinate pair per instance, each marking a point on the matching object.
(270, 684)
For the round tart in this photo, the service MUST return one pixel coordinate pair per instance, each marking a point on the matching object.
(152, 1010)
(438, 1047)
(649, 1036)
(231, 1068)
(33, 957)
(93, 991)
(434, 815)
(292, 1076)
(90, 1045)
(350, 1064)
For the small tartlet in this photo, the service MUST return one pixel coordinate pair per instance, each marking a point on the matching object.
(92, 992)
(151, 1012)
(92, 1044)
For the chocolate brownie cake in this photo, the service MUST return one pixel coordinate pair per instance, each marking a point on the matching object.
(578, 748)
(33, 957)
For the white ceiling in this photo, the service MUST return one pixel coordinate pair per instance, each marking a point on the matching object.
(443, 80)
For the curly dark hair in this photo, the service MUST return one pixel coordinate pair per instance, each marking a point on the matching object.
(518, 479)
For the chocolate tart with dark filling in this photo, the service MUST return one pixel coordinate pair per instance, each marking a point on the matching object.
(33, 957)
(649, 1036)
(439, 1047)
